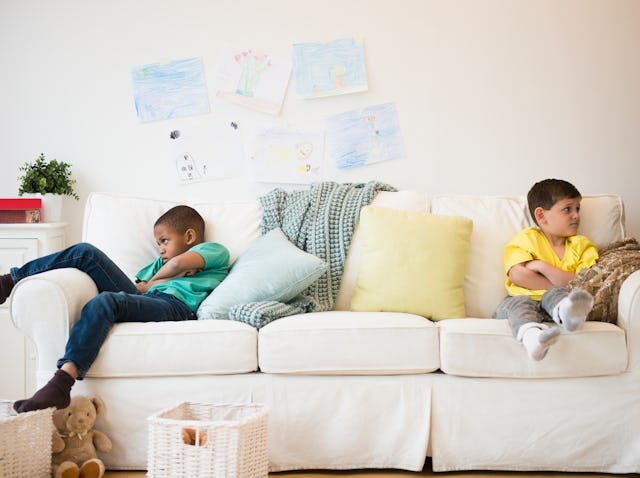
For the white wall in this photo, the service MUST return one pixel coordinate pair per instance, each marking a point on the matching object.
(492, 95)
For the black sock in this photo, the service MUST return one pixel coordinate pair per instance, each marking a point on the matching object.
(56, 393)
(6, 285)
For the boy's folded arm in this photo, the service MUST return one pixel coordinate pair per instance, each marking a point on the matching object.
(555, 275)
(527, 278)
(184, 264)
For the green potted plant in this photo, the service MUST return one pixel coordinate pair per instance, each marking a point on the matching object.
(50, 179)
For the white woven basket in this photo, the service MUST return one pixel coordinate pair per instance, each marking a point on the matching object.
(230, 441)
(25, 442)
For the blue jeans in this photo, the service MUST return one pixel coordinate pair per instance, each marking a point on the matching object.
(118, 300)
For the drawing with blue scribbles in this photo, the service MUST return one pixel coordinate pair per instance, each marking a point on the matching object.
(326, 69)
(357, 138)
(170, 90)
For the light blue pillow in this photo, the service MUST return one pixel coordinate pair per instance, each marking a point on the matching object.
(271, 269)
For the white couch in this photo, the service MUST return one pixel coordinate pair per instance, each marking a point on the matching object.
(351, 390)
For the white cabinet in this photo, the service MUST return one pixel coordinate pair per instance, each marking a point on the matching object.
(20, 243)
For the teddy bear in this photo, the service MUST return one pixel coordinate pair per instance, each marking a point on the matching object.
(75, 442)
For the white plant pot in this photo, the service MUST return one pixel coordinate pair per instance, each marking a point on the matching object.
(51, 206)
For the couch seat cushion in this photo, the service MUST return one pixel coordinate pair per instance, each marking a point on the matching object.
(193, 347)
(339, 343)
(486, 348)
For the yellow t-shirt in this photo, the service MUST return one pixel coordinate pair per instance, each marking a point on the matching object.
(531, 244)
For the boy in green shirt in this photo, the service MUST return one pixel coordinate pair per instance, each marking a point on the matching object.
(169, 289)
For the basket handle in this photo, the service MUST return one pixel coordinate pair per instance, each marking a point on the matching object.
(194, 437)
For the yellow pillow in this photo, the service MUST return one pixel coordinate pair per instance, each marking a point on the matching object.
(412, 262)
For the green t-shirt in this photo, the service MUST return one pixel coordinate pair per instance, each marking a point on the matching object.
(194, 289)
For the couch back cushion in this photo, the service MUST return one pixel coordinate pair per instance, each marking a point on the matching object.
(495, 221)
(235, 224)
(122, 226)
(602, 219)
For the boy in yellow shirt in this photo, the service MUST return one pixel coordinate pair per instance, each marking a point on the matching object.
(540, 262)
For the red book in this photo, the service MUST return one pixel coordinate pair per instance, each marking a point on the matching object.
(17, 204)
(20, 210)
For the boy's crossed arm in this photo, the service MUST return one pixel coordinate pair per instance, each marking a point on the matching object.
(539, 275)
(183, 265)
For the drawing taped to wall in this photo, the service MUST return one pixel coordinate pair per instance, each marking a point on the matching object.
(253, 79)
(170, 90)
(207, 151)
(327, 69)
(367, 136)
(283, 155)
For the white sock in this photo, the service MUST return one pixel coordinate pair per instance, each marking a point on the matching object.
(572, 311)
(537, 340)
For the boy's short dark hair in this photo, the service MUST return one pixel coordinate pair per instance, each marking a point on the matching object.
(547, 192)
(181, 218)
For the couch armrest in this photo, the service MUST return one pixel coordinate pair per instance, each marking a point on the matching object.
(45, 306)
(629, 317)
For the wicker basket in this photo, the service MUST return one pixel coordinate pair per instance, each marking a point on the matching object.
(228, 440)
(25, 442)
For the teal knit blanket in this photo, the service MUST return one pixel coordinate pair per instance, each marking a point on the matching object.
(320, 221)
